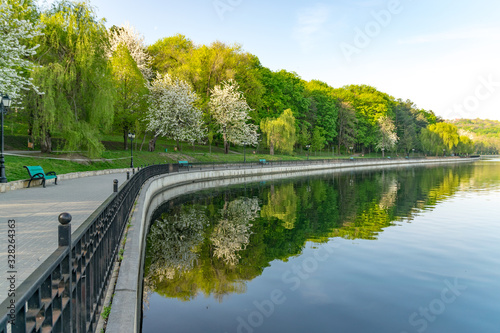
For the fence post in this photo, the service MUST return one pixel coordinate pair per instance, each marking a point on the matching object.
(115, 185)
(64, 232)
(128, 175)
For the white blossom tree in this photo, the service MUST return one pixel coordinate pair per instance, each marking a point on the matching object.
(171, 112)
(230, 110)
(388, 136)
(14, 62)
(134, 41)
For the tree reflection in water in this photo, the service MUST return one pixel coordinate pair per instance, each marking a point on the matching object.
(220, 239)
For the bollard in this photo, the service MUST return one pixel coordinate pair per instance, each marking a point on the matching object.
(133, 171)
(64, 229)
(115, 185)
(128, 175)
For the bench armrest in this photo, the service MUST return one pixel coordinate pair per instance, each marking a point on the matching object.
(38, 175)
(51, 173)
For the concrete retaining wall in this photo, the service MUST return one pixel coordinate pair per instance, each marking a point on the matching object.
(125, 313)
(18, 184)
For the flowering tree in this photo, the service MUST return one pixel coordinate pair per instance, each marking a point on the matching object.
(230, 110)
(13, 53)
(134, 41)
(388, 137)
(172, 112)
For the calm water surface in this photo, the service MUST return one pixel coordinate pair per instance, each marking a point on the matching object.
(401, 250)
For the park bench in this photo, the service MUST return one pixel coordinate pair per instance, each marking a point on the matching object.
(36, 172)
(262, 161)
(184, 164)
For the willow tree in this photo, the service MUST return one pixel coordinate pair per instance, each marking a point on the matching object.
(280, 132)
(76, 79)
(230, 110)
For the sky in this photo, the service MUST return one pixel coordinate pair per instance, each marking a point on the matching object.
(443, 55)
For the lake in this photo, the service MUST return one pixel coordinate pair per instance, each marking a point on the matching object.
(397, 250)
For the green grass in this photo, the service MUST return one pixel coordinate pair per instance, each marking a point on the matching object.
(115, 157)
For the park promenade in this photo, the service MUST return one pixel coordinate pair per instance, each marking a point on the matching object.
(35, 211)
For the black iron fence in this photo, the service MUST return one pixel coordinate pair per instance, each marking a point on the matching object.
(66, 293)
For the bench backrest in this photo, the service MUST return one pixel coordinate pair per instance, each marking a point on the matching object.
(183, 162)
(33, 170)
(262, 161)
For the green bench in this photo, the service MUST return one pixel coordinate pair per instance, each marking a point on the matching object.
(184, 164)
(262, 161)
(36, 172)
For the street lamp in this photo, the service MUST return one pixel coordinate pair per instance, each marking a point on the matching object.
(383, 150)
(4, 105)
(132, 137)
(351, 148)
(244, 152)
(307, 148)
(413, 152)
(443, 152)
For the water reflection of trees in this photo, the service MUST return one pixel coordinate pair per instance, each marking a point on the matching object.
(230, 242)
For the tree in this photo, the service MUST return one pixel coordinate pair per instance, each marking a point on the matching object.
(172, 113)
(323, 108)
(130, 88)
(388, 137)
(74, 73)
(346, 126)
(134, 42)
(280, 132)
(230, 110)
(318, 139)
(16, 32)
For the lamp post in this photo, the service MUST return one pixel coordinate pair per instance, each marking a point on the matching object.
(4, 105)
(383, 151)
(244, 152)
(413, 152)
(443, 152)
(132, 137)
(351, 148)
(307, 149)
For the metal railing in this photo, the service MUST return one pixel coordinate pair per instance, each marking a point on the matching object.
(66, 293)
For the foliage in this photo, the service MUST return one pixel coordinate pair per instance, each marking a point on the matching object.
(318, 139)
(127, 36)
(346, 126)
(280, 132)
(131, 90)
(388, 137)
(230, 110)
(75, 75)
(172, 113)
(15, 33)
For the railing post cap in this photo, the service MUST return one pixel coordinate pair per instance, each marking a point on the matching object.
(115, 181)
(64, 218)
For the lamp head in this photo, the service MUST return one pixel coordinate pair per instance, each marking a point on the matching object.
(6, 101)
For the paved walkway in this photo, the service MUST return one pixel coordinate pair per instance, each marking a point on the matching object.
(35, 211)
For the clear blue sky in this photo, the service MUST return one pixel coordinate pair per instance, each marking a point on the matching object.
(440, 54)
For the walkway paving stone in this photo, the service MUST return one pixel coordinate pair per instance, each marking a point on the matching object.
(35, 211)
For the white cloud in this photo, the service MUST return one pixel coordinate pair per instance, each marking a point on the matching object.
(310, 27)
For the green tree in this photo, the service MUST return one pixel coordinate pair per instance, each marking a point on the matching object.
(318, 140)
(131, 91)
(323, 107)
(346, 126)
(75, 75)
(280, 132)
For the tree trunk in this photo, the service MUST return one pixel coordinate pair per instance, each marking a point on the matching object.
(226, 145)
(271, 148)
(46, 143)
(125, 137)
(178, 145)
(143, 139)
(152, 144)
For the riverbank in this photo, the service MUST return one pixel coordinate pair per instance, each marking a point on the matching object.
(128, 289)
